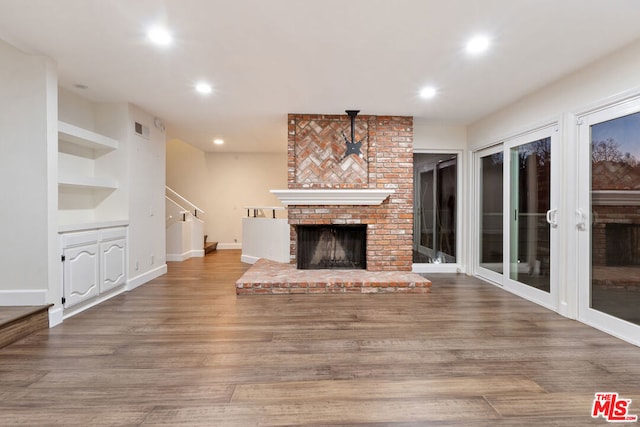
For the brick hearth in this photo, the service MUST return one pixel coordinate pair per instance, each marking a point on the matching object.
(270, 277)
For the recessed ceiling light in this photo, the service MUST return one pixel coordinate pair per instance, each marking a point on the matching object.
(478, 44)
(80, 86)
(218, 141)
(159, 36)
(428, 92)
(204, 88)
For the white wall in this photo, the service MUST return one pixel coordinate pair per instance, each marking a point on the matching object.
(428, 136)
(223, 184)
(237, 180)
(605, 78)
(28, 175)
(186, 168)
(147, 252)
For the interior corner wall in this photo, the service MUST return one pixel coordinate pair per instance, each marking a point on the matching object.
(28, 143)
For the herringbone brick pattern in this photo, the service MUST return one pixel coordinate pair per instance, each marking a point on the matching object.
(320, 153)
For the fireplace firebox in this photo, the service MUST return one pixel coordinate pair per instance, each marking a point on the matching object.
(332, 246)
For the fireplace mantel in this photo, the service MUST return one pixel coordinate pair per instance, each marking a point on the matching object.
(332, 196)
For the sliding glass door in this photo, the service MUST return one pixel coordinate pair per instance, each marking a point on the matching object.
(517, 221)
(608, 220)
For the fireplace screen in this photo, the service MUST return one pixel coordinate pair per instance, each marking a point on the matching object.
(332, 246)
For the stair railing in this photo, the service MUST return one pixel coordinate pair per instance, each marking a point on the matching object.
(171, 194)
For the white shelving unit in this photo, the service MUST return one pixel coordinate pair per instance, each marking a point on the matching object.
(85, 138)
(88, 177)
(91, 224)
(78, 149)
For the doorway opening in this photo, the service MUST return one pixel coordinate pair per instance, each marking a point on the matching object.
(435, 208)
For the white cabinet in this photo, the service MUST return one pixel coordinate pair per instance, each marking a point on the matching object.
(112, 259)
(94, 262)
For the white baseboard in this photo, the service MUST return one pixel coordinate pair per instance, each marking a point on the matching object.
(134, 282)
(178, 257)
(186, 255)
(249, 259)
(224, 246)
(55, 316)
(437, 268)
(23, 297)
(79, 308)
(196, 253)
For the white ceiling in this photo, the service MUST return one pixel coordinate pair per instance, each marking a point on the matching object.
(267, 58)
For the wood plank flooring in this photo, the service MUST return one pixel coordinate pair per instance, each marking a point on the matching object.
(184, 350)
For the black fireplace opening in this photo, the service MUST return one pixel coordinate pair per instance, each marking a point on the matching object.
(334, 246)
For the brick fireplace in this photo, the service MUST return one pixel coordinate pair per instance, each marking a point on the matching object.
(372, 188)
(316, 156)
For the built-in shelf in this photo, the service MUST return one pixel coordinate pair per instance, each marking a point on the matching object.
(87, 182)
(85, 138)
(333, 196)
(89, 177)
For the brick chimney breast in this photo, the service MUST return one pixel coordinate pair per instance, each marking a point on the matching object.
(316, 160)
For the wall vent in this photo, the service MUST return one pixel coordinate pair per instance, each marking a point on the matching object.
(141, 130)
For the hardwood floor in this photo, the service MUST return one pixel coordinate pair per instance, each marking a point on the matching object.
(183, 350)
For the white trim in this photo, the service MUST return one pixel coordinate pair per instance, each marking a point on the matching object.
(56, 316)
(12, 297)
(249, 259)
(474, 216)
(134, 282)
(226, 246)
(555, 120)
(196, 253)
(615, 100)
(437, 268)
(333, 196)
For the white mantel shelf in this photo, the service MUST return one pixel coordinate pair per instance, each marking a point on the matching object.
(332, 196)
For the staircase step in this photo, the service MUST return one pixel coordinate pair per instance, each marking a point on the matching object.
(210, 247)
(19, 322)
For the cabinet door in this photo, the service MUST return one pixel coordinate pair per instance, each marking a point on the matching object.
(112, 264)
(80, 273)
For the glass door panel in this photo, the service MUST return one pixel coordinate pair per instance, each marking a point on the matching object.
(446, 210)
(615, 225)
(532, 217)
(530, 200)
(427, 216)
(491, 216)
